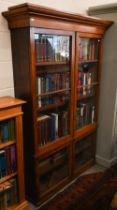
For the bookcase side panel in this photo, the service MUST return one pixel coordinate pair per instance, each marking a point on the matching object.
(20, 39)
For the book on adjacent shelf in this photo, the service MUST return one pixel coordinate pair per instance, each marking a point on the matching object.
(85, 114)
(13, 158)
(2, 163)
(12, 194)
(7, 161)
(7, 130)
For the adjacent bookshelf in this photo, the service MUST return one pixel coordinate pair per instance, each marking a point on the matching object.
(12, 194)
(57, 60)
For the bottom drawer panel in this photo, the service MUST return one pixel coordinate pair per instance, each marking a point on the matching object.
(84, 152)
(52, 170)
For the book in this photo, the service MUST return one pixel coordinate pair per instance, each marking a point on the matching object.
(43, 129)
(93, 114)
(85, 114)
(37, 48)
(5, 133)
(2, 163)
(89, 79)
(11, 129)
(56, 123)
(12, 193)
(13, 158)
(8, 160)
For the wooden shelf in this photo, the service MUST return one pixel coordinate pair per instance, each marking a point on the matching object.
(53, 146)
(19, 206)
(52, 106)
(52, 71)
(5, 178)
(91, 85)
(79, 98)
(6, 144)
(88, 61)
(54, 92)
(45, 63)
(86, 130)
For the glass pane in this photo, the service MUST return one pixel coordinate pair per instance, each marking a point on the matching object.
(85, 113)
(53, 169)
(88, 49)
(53, 86)
(87, 81)
(84, 151)
(51, 48)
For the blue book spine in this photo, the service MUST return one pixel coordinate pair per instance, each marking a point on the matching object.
(5, 131)
(2, 163)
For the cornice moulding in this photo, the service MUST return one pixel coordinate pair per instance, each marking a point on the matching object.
(104, 9)
(40, 11)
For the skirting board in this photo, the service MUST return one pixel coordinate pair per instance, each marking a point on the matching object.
(105, 162)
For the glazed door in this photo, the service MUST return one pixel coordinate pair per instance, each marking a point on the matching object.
(87, 78)
(54, 85)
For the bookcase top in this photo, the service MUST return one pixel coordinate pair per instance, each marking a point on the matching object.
(9, 101)
(40, 11)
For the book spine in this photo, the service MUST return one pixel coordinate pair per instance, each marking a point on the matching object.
(2, 163)
(12, 193)
(8, 160)
(13, 158)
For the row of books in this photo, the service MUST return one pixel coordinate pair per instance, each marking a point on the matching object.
(7, 130)
(52, 82)
(85, 114)
(8, 194)
(86, 92)
(89, 68)
(7, 161)
(52, 126)
(53, 99)
(86, 78)
(51, 48)
(88, 49)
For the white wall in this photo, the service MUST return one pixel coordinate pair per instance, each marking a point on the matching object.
(106, 153)
(6, 73)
